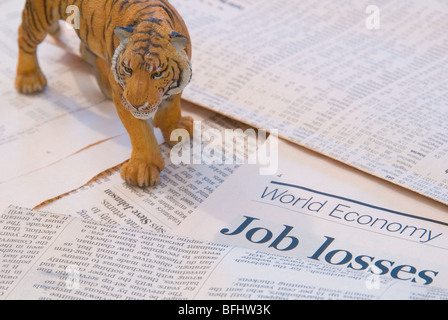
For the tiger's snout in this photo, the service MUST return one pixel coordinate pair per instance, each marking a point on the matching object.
(145, 111)
(137, 108)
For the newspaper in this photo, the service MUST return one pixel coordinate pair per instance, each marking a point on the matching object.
(366, 85)
(334, 222)
(48, 256)
(315, 229)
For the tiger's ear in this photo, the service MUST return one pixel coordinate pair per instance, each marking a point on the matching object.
(179, 41)
(123, 33)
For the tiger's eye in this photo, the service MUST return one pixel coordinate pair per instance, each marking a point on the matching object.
(157, 75)
(127, 70)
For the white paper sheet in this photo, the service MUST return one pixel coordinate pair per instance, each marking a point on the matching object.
(65, 175)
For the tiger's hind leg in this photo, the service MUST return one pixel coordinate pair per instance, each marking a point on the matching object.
(100, 69)
(32, 32)
(169, 118)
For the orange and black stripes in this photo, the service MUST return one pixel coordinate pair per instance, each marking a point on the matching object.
(36, 21)
(98, 18)
(152, 23)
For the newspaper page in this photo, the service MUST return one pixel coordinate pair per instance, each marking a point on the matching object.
(48, 256)
(326, 222)
(41, 129)
(364, 84)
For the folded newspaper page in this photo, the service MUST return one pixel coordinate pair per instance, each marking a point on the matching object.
(364, 84)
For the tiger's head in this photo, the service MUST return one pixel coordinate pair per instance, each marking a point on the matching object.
(150, 64)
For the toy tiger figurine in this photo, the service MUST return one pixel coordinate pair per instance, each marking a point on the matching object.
(139, 51)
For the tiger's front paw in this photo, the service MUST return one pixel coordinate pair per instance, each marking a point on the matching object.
(141, 173)
(30, 82)
(185, 123)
